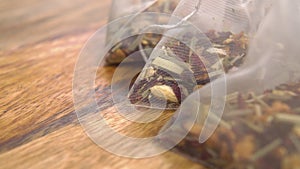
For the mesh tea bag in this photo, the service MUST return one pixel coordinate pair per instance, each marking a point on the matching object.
(259, 127)
(221, 47)
(121, 8)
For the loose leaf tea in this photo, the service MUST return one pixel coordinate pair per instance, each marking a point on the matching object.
(257, 132)
(177, 58)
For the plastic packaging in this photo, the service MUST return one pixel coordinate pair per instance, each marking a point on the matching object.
(259, 127)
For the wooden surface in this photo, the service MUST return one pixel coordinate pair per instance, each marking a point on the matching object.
(39, 44)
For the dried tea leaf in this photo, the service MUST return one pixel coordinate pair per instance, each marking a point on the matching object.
(218, 51)
(288, 118)
(164, 92)
(168, 65)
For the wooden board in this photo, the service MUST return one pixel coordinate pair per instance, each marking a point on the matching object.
(39, 44)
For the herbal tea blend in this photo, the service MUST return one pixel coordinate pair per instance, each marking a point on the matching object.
(157, 82)
(130, 45)
(256, 131)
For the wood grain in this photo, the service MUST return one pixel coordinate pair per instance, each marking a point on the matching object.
(39, 44)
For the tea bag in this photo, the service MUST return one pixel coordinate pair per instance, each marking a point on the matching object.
(222, 47)
(121, 8)
(259, 127)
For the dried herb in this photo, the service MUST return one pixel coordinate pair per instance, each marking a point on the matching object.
(264, 133)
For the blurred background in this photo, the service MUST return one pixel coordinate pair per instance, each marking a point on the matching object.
(29, 21)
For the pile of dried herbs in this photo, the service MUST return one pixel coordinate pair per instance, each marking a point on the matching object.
(256, 132)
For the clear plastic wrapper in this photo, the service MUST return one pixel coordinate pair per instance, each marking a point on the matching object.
(258, 128)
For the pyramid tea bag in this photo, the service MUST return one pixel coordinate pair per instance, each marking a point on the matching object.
(221, 47)
(259, 127)
(120, 8)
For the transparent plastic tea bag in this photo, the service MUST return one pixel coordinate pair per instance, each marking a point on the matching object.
(258, 126)
(121, 8)
(224, 23)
